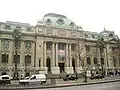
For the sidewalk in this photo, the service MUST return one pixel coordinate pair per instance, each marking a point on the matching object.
(78, 82)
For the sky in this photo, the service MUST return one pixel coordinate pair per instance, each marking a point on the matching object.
(92, 15)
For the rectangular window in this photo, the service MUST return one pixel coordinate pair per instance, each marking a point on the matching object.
(28, 59)
(87, 48)
(4, 58)
(73, 46)
(61, 46)
(95, 61)
(7, 27)
(88, 61)
(48, 46)
(17, 58)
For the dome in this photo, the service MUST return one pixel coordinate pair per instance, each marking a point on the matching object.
(59, 21)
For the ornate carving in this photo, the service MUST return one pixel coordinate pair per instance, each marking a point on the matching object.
(62, 33)
(28, 46)
(49, 31)
(5, 45)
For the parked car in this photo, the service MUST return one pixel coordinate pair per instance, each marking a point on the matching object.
(5, 79)
(70, 77)
(34, 79)
(97, 76)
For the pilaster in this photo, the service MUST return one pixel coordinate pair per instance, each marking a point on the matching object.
(0, 50)
(33, 54)
(22, 56)
(53, 55)
(10, 60)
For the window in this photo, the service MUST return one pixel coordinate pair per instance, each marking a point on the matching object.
(60, 21)
(29, 29)
(95, 61)
(86, 36)
(87, 48)
(114, 61)
(28, 59)
(101, 50)
(48, 46)
(5, 44)
(7, 27)
(4, 58)
(61, 46)
(88, 61)
(94, 49)
(18, 27)
(16, 58)
(39, 62)
(28, 45)
(73, 46)
(102, 61)
(110, 35)
(48, 21)
(71, 24)
(93, 36)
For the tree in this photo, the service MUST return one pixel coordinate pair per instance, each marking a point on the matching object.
(17, 38)
(81, 61)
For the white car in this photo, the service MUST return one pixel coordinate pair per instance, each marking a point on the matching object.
(5, 79)
(34, 79)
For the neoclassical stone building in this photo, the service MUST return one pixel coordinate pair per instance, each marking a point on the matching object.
(57, 45)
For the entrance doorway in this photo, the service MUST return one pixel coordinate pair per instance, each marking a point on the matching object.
(62, 67)
(73, 64)
(48, 64)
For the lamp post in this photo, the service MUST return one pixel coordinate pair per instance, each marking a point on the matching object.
(17, 37)
(101, 45)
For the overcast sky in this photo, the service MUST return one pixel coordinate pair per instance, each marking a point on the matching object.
(92, 15)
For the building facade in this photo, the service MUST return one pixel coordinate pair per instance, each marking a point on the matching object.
(57, 45)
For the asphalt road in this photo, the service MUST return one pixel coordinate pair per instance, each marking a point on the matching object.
(105, 86)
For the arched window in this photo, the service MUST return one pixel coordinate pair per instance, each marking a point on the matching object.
(60, 21)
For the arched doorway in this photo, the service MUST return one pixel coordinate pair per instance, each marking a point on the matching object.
(62, 67)
(73, 64)
(48, 64)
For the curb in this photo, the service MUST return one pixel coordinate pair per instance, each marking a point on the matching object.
(55, 86)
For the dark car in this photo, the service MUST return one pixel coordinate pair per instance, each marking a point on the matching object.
(97, 76)
(70, 77)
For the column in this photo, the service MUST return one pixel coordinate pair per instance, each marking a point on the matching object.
(0, 51)
(70, 56)
(22, 59)
(68, 67)
(79, 62)
(53, 55)
(45, 54)
(56, 55)
(42, 53)
(10, 60)
(55, 68)
(92, 62)
(45, 51)
(67, 59)
(33, 54)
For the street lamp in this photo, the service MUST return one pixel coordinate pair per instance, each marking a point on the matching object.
(17, 37)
